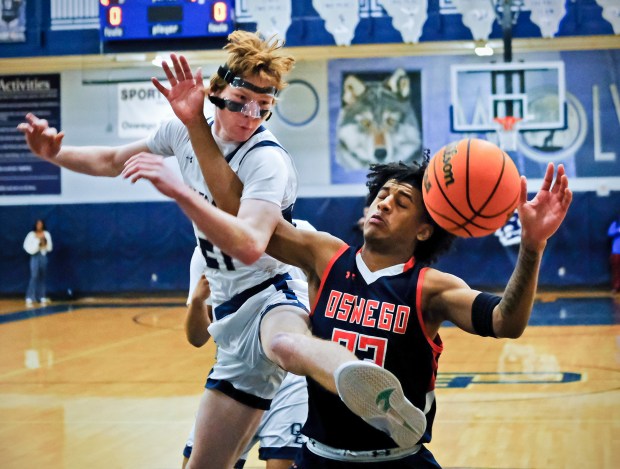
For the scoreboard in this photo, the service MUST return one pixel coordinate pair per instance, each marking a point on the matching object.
(123, 20)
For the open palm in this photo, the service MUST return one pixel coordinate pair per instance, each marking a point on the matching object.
(542, 216)
(186, 94)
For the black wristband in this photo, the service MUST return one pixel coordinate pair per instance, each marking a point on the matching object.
(482, 314)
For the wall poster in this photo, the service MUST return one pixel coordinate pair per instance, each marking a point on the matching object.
(22, 173)
(374, 118)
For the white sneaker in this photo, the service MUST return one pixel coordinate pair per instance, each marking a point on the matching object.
(29, 303)
(375, 394)
(44, 301)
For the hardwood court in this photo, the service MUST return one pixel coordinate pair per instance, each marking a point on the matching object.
(111, 383)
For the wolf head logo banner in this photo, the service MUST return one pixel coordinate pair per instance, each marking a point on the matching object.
(377, 122)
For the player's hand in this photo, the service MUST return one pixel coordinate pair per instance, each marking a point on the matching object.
(44, 141)
(152, 167)
(543, 215)
(202, 290)
(187, 93)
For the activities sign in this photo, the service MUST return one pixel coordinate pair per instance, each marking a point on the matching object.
(21, 172)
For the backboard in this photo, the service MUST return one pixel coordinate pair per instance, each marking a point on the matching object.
(534, 92)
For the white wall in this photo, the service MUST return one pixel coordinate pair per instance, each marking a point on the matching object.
(89, 114)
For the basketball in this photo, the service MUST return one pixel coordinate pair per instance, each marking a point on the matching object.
(471, 188)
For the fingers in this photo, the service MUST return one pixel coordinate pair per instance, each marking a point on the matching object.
(161, 88)
(142, 165)
(25, 128)
(31, 118)
(548, 179)
(523, 194)
(169, 75)
(35, 126)
(560, 187)
(178, 68)
(34, 123)
(198, 78)
(50, 132)
(182, 72)
(184, 64)
(565, 194)
(144, 158)
(567, 199)
(560, 177)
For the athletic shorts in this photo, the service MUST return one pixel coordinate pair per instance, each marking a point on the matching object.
(279, 432)
(242, 370)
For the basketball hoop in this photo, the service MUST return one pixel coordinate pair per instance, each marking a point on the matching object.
(507, 132)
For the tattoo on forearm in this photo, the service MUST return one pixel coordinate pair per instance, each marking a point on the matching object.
(522, 280)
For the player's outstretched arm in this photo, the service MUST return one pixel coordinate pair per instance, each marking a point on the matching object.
(46, 143)
(198, 317)
(540, 218)
(244, 238)
(446, 297)
(311, 251)
(186, 97)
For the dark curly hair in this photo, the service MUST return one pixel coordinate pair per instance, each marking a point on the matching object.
(440, 241)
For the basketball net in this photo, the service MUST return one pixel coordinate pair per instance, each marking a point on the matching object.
(507, 132)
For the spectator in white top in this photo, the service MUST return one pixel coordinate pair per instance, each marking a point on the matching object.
(37, 243)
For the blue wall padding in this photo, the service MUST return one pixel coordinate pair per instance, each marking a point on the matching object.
(117, 247)
(101, 247)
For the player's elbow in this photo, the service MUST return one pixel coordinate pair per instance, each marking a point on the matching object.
(511, 331)
(510, 335)
(250, 252)
(250, 257)
(197, 340)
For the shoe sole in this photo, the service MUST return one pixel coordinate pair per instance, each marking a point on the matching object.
(375, 394)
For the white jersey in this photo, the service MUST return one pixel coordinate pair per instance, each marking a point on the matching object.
(267, 173)
(198, 265)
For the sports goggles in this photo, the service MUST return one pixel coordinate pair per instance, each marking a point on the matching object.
(238, 82)
(250, 109)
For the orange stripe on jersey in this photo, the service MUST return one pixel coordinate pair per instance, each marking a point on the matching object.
(436, 346)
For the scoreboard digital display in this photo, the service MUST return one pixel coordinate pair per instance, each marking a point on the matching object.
(123, 20)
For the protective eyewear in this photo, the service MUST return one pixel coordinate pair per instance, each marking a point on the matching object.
(250, 109)
(238, 82)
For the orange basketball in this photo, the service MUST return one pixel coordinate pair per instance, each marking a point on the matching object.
(471, 188)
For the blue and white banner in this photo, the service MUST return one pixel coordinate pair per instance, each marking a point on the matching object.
(22, 173)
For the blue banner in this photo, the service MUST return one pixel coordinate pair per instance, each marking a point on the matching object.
(22, 173)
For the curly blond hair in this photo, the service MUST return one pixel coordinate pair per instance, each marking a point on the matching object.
(249, 54)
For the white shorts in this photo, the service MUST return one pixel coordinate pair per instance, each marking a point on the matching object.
(279, 432)
(242, 370)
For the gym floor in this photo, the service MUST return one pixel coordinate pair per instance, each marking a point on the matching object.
(112, 383)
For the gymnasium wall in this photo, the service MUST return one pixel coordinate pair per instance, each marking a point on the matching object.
(146, 246)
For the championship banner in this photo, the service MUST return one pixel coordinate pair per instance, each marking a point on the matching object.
(141, 109)
(21, 172)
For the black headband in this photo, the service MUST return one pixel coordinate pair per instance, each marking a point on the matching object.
(238, 82)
